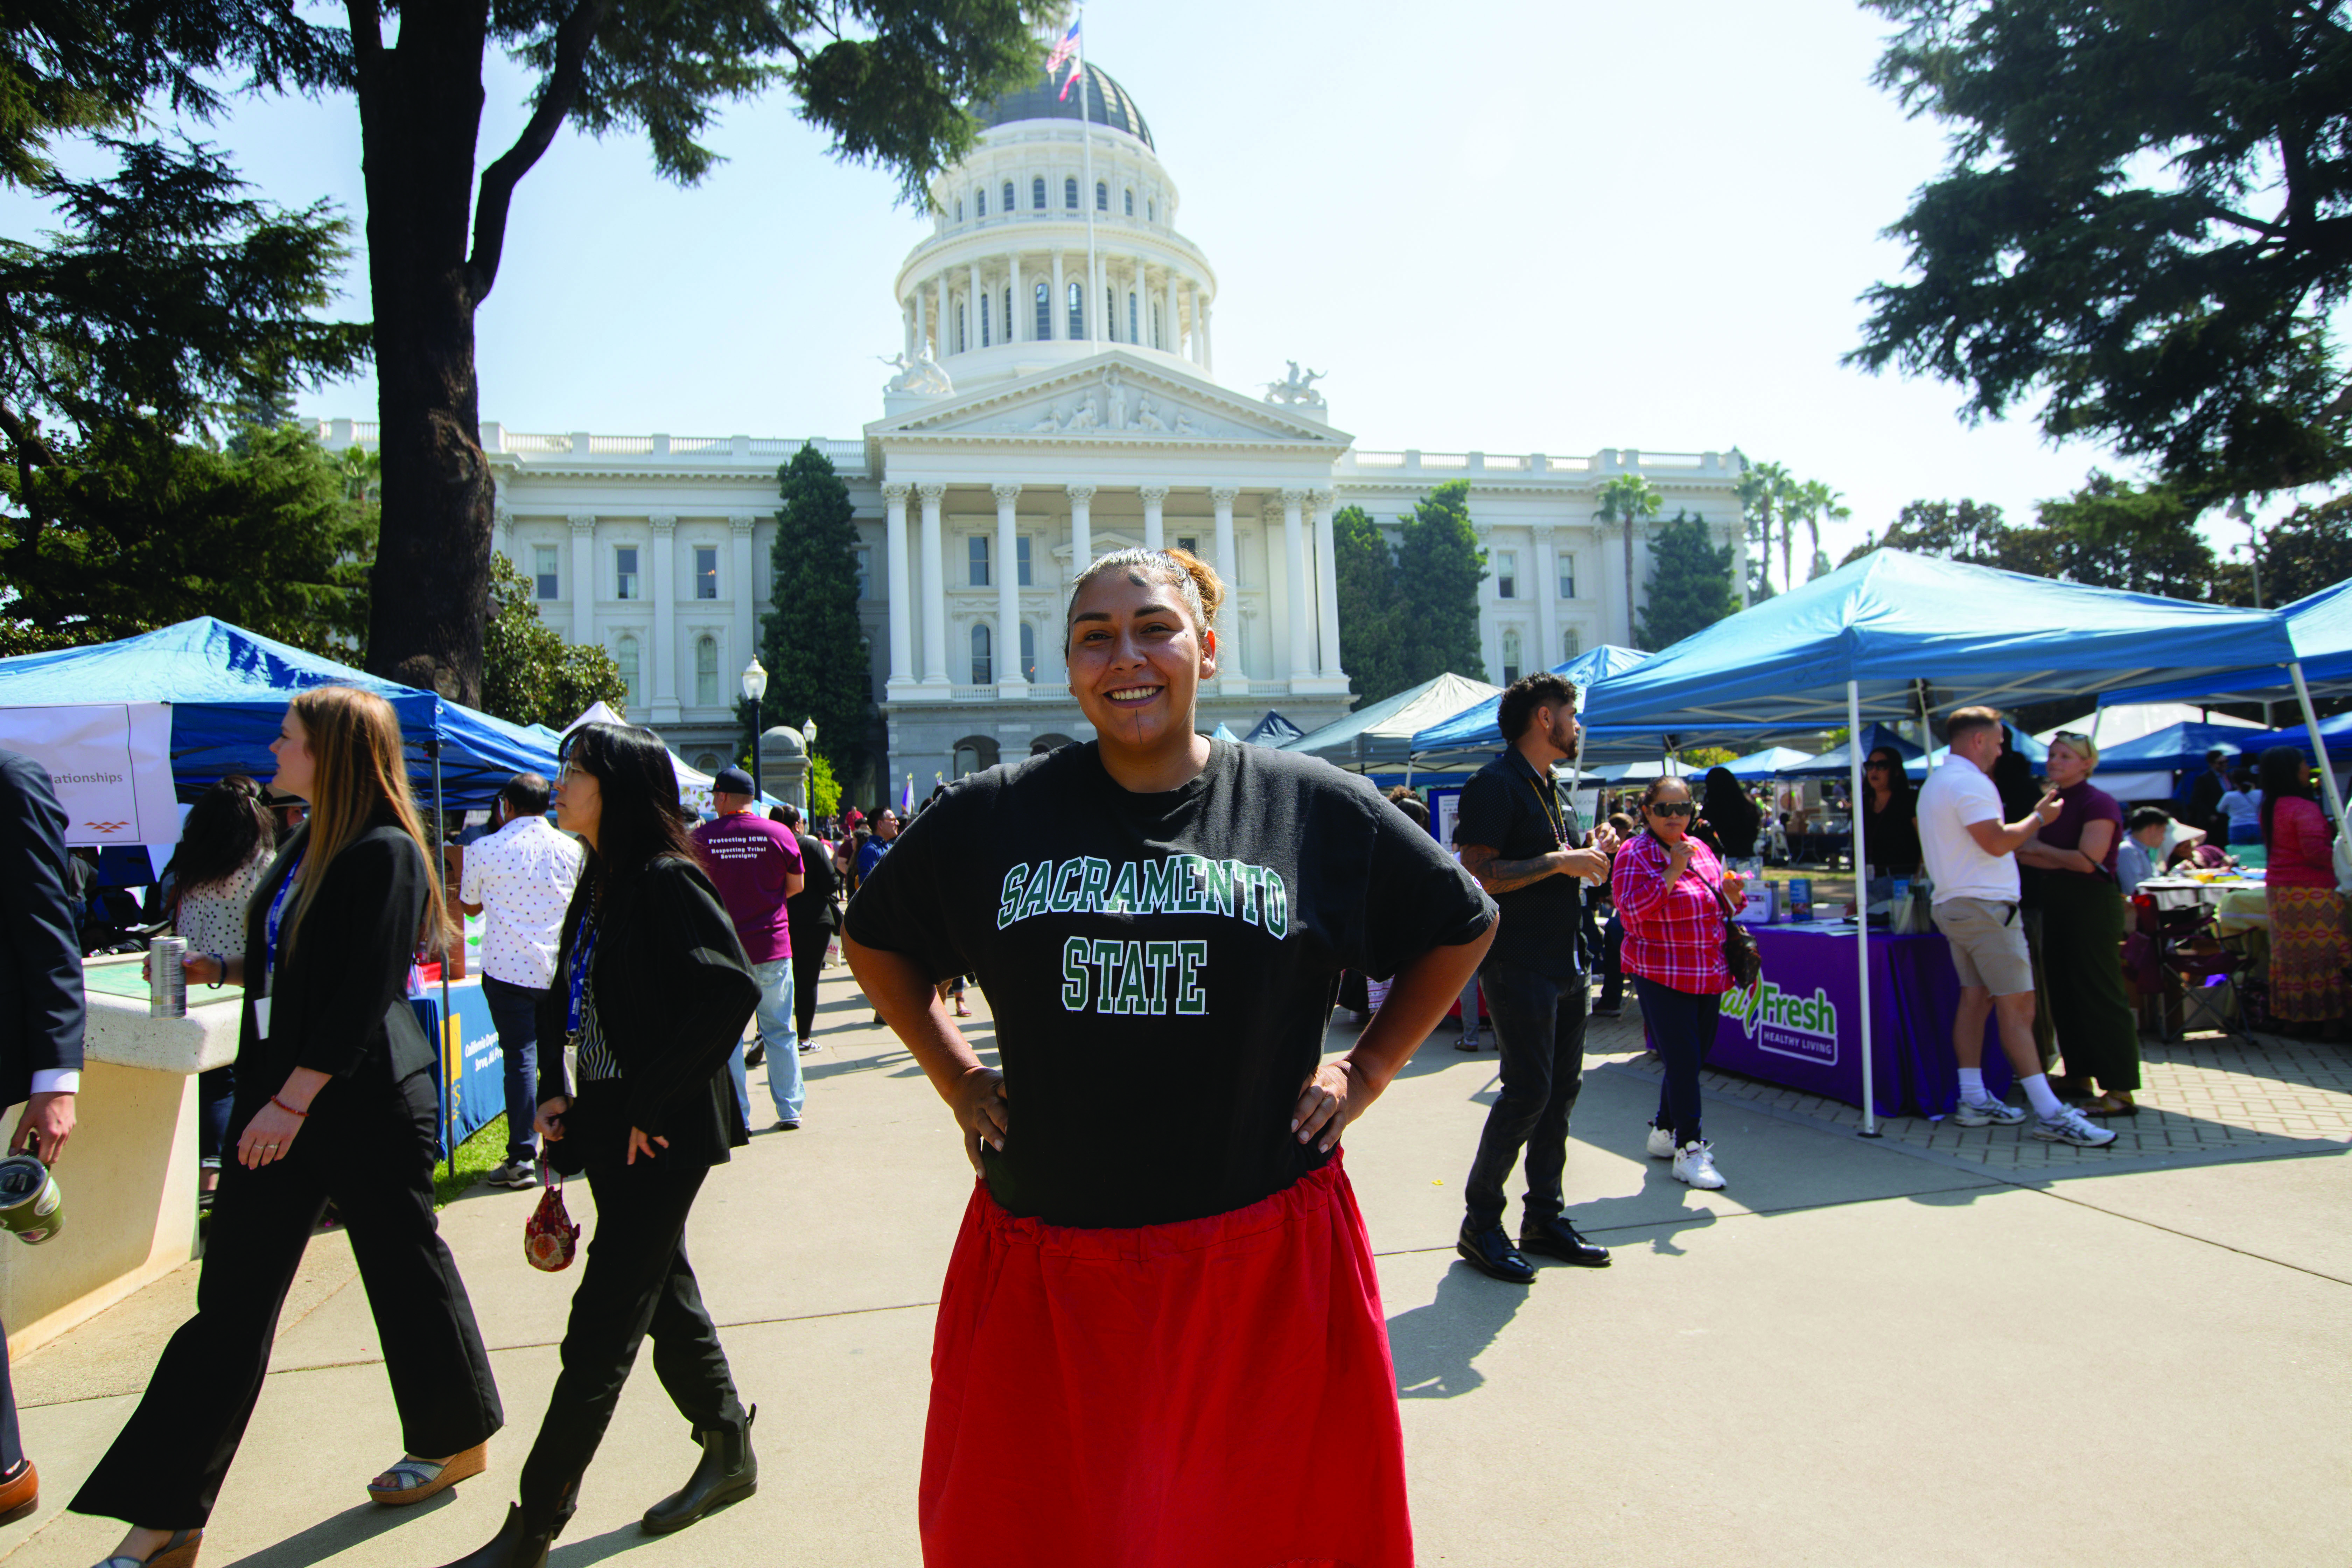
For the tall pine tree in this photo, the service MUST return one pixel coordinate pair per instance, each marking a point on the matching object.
(814, 646)
(1439, 566)
(1690, 582)
(1364, 579)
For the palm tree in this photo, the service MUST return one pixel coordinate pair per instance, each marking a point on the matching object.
(1766, 490)
(1812, 500)
(1626, 499)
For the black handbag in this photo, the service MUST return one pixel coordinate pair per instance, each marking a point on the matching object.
(1739, 951)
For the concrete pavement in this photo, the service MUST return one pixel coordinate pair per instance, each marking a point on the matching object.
(1856, 1351)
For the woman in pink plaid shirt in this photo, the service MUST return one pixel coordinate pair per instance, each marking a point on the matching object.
(1665, 883)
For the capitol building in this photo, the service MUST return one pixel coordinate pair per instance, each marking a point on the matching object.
(1057, 398)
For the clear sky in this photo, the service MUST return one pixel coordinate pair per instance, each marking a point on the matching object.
(1551, 226)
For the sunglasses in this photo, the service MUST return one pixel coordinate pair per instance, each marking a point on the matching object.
(1677, 808)
(2069, 735)
(1875, 766)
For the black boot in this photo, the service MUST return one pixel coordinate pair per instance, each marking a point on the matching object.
(516, 1546)
(727, 1471)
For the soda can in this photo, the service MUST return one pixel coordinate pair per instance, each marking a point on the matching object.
(31, 1203)
(167, 981)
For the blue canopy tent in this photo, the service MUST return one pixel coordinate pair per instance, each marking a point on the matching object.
(1770, 762)
(1840, 759)
(229, 688)
(1380, 737)
(1274, 729)
(1474, 730)
(2025, 745)
(1224, 731)
(2179, 748)
(2336, 732)
(1898, 635)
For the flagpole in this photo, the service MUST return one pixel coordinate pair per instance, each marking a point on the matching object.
(1087, 129)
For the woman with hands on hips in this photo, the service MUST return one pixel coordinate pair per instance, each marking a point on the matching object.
(335, 1099)
(652, 991)
(1160, 1332)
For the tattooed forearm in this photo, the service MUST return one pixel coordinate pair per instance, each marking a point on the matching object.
(1504, 876)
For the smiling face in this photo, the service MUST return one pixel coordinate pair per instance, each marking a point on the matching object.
(1136, 660)
(296, 767)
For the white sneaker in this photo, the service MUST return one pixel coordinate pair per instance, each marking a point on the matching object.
(1662, 1142)
(2071, 1126)
(1988, 1113)
(1695, 1163)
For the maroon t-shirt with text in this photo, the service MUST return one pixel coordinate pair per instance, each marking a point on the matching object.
(750, 858)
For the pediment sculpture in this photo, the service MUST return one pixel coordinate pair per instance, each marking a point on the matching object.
(1297, 388)
(921, 376)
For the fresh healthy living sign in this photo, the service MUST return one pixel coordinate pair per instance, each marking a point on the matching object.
(1786, 1024)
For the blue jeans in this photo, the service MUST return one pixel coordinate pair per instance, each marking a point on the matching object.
(514, 1009)
(775, 1025)
(1681, 1026)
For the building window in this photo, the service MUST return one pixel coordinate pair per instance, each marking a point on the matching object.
(960, 326)
(959, 209)
(864, 574)
(1070, 194)
(1028, 651)
(1102, 195)
(1133, 305)
(1131, 204)
(1189, 543)
(706, 570)
(1110, 314)
(1510, 657)
(1077, 313)
(980, 201)
(1571, 645)
(625, 572)
(981, 670)
(1037, 192)
(625, 660)
(1506, 574)
(1008, 198)
(985, 339)
(1568, 580)
(978, 544)
(1044, 314)
(1157, 341)
(1009, 317)
(706, 671)
(542, 558)
(1021, 560)
(1151, 211)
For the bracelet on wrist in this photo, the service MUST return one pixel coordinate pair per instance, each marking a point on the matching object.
(287, 1108)
(220, 966)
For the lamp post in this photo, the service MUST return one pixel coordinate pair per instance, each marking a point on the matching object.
(808, 779)
(755, 687)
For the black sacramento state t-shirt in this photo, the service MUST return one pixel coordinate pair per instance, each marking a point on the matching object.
(1161, 966)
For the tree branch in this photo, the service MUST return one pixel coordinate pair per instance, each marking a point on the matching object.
(573, 39)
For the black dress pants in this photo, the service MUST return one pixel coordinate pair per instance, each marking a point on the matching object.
(1540, 1027)
(808, 965)
(635, 1280)
(12, 1444)
(370, 1148)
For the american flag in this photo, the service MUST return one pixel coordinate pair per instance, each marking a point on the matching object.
(1063, 51)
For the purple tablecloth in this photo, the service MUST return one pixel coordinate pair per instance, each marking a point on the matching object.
(1801, 1025)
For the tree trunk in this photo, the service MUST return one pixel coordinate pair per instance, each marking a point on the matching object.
(420, 112)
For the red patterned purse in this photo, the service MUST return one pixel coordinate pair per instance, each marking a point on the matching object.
(549, 1239)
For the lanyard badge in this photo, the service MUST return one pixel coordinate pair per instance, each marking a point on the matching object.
(583, 952)
(269, 974)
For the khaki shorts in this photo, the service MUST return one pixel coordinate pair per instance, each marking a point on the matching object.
(1988, 944)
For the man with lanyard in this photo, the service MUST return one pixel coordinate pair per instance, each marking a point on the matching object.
(521, 877)
(1520, 838)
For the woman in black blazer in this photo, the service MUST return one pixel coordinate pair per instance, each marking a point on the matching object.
(652, 992)
(335, 1099)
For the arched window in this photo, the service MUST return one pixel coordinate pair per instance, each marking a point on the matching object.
(1131, 204)
(1028, 651)
(1077, 313)
(980, 201)
(624, 658)
(1070, 192)
(1510, 657)
(1037, 192)
(1009, 317)
(1571, 645)
(1008, 198)
(1156, 342)
(959, 327)
(706, 671)
(985, 339)
(1102, 195)
(982, 673)
(1133, 305)
(1110, 314)
(959, 209)
(974, 754)
(1044, 314)
(1151, 211)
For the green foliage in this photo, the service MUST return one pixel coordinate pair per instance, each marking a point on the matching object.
(2310, 549)
(124, 532)
(1371, 627)
(1409, 612)
(824, 788)
(1766, 492)
(2146, 222)
(818, 662)
(1690, 582)
(2111, 533)
(530, 673)
(1955, 531)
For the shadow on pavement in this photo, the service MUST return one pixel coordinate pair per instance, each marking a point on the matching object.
(1434, 1345)
(329, 1537)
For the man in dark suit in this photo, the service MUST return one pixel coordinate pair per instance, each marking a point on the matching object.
(41, 1018)
(811, 916)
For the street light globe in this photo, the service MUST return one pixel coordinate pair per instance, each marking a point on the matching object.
(808, 732)
(755, 681)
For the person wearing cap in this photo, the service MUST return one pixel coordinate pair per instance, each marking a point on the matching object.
(757, 868)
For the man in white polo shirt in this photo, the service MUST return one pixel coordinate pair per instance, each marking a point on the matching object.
(1971, 857)
(522, 876)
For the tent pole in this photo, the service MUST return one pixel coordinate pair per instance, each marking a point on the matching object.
(440, 827)
(2319, 748)
(1861, 906)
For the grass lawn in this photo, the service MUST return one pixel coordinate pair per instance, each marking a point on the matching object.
(477, 1157)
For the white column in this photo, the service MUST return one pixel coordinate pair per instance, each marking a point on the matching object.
(922, 318)
(1547, 597)
(1171, 340)
(751, 585)
(1229, 652)
(1082, 537)
(1294, 556)
(1016, 321)
(662, 658)
(906, 326)
(947, 314)
(1326, 589)
(1154, 496)
(583, 577)
(1058, 308)
(902, 605)
(934, 590)
(1010, 681)
(1208, 349)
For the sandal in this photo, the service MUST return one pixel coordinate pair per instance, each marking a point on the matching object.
(180, 1552)
(2109, 1105)
(421, 1479)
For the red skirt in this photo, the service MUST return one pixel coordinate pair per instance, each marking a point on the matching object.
(1212, 1394)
